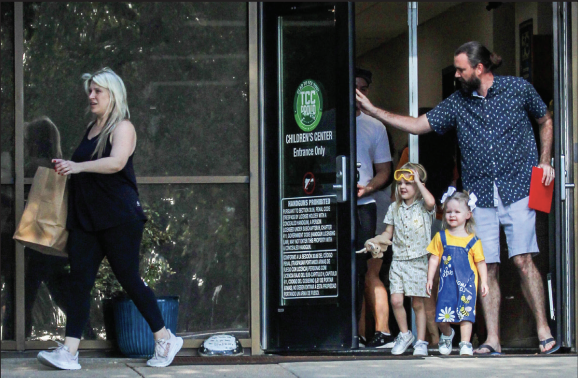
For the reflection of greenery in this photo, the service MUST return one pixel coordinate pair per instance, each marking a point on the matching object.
(153, 267)
(209, 249)
(7, 97)
(7, 162)
(186, 83)
(185, 67)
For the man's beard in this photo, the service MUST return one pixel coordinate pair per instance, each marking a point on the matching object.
(468, 87)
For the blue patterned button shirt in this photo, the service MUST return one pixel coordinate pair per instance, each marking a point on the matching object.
(495, 137)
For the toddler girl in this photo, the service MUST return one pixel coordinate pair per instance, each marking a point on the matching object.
(462, 260)
(408, 221)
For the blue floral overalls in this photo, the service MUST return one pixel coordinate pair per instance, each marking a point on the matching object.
(457, 289)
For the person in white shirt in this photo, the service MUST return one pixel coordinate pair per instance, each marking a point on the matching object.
(374, 155)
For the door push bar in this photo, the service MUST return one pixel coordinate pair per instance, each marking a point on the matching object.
(563, 184)
(341, 178)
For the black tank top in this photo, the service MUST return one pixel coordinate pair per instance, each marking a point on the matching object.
(99, 201)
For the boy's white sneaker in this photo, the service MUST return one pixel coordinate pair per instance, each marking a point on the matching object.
(60, 358)
(402, 342)
(466, 349)
(420, 348)
(445, 344)
(165, 350)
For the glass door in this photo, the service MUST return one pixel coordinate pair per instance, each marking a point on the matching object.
(560, 280)
(308, 181)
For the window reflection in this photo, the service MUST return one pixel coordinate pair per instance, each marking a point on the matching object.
(7, 165)
(185, 66)
(47, 277)
(8, 266)
(208, 251)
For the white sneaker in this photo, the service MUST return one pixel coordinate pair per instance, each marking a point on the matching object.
(420, 348)
(165, 350)
(445, 344)
(60, 358)
(466, 349)
(402, 342)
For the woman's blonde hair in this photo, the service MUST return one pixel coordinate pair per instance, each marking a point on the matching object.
(463, 198)
(117, 109)
(422, 176)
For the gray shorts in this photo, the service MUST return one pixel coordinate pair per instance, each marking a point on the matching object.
(519, 223)
(409, 277)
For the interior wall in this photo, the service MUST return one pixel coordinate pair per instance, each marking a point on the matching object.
(545, 20)
(437, 41)
(439, 37)
(540, 13)
(504, 37)
(524, 11)
(389, 89)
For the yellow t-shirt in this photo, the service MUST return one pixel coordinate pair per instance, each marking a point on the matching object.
(476, 254)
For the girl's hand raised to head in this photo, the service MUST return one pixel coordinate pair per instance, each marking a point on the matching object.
(428, 198)
(416, 177)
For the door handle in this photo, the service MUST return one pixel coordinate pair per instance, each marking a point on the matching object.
(341, 178)
(563, 184)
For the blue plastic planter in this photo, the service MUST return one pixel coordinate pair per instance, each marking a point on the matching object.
(133, 334)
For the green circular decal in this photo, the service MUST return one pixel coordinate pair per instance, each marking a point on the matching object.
(308, 105)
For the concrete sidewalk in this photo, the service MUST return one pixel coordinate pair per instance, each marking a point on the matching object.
(406, 366)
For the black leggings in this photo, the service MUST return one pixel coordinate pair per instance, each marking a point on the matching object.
(121, 246)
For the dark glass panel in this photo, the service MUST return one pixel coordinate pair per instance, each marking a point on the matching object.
(7, 92)
(8, 263)
(7, 160)
(185, 66)
(208, 252)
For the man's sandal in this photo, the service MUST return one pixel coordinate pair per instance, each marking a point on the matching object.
(491, 351)
(543, 343)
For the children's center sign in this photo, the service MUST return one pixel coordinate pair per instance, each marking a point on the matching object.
(308, 203)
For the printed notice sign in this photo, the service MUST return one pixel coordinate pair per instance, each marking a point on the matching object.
(309, 247)
(308, 205)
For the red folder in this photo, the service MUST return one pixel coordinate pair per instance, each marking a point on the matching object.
(540, 194)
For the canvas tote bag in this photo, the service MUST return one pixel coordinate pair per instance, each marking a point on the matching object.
(43, 223)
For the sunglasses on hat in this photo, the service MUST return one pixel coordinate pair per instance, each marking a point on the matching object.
(406, 174)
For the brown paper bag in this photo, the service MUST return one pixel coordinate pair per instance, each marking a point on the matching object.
(43, 223)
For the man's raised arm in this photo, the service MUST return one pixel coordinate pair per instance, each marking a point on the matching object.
(411, 125)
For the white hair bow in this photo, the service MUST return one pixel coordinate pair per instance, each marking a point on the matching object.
(451, 190)
(472, 201)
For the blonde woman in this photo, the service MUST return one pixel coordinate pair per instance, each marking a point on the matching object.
(105, 218)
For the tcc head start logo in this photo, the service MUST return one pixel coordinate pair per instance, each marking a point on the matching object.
(308, 105)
